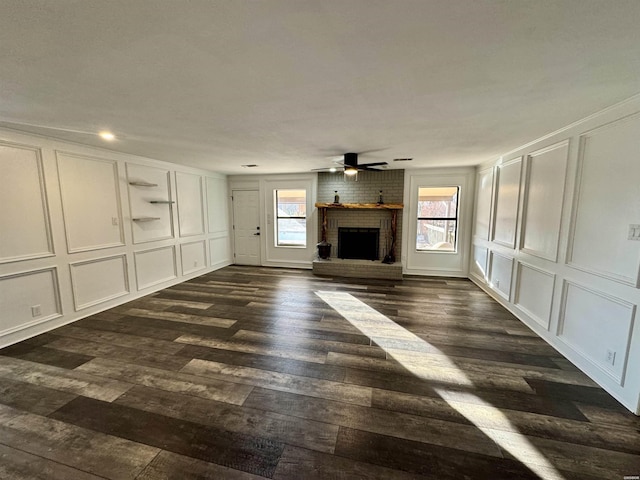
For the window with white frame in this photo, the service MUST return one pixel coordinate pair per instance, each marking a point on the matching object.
(437, 219)
(291, 218)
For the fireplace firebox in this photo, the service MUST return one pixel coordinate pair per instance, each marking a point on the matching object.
(358, 243)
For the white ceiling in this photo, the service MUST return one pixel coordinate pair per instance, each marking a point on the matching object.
(285, 84)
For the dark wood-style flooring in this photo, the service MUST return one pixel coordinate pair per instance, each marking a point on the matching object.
(249, 373)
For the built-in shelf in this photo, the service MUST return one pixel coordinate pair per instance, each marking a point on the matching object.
(362, 206)
(143, 184)
(145, 219)
(162, 201)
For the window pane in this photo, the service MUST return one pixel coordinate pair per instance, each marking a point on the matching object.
(438, 202)
(436, 235)
(291, 203)
(292, 231)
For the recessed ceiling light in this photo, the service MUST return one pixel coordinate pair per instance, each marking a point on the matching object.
(402, 159)
(251, 165)
(108, 136)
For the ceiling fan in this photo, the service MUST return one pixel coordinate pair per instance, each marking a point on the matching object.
(352, 167)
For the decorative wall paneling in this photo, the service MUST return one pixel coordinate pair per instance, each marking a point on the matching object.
(608, 202)
(484, 200)
(29, 298)
(99, 280)
(90, 202)
(23, 237)
(500, 274)
(479, 264)
(542, 211)
(534, 293)
(506, 202)
(193, 256)
(577, 270)
(599, 326)
(155, 266)
(190, 204)
(150, 203)
(81, 200)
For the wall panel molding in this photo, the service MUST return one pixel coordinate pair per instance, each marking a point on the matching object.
(99, 280)
(507, 197)
(594, 323)
(500, 274)
(190, 204)
(23, 237)
(193, 256)
(25, 289)
(543, 200)
(155, 266)
(91, 206)
(606, 203)
(534, 292)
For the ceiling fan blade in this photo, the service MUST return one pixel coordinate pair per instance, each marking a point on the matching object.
(375, 164)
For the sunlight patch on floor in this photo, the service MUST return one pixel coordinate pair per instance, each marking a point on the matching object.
(412, 353)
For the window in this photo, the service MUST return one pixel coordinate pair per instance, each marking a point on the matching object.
(437, 219)
(291, 218)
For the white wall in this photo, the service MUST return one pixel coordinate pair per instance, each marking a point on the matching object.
(271, 255)
(451, 264)
(77, 236)
(551, 243)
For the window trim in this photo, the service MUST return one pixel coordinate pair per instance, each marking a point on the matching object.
(277, 244)
(454, 219)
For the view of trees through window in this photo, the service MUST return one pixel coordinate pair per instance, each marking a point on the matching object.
(437, 218)
(291, 218)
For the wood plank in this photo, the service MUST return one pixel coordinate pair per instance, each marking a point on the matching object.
(55, 378)
(210, 388)
(280, 381)
(90, 451)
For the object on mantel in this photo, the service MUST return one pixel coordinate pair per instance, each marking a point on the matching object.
(362, 206)
(336, 198)
(380, 202)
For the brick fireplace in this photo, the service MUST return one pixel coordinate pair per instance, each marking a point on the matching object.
(359, 210)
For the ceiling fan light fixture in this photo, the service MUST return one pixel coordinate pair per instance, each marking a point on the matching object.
(350, 171)
(333, 169)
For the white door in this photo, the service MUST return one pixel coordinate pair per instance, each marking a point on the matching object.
(246, 227)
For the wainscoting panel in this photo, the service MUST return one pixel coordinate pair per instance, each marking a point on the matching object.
(155, 266)
(608, 202)
(543, 201)
(24, 236)
(190, 211)
(534, 293)
(90, 202)
(218, 216)
(28, 298)
(507, 197)
(98, 280)
(479, 265)
(500, 273)
(219, 250)
(598, 326)
(193, 257)
(483, 205)
(149, 221)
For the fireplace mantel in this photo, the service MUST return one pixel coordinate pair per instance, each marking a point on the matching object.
(362, 206)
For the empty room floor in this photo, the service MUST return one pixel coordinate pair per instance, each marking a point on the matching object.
(249, 373)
